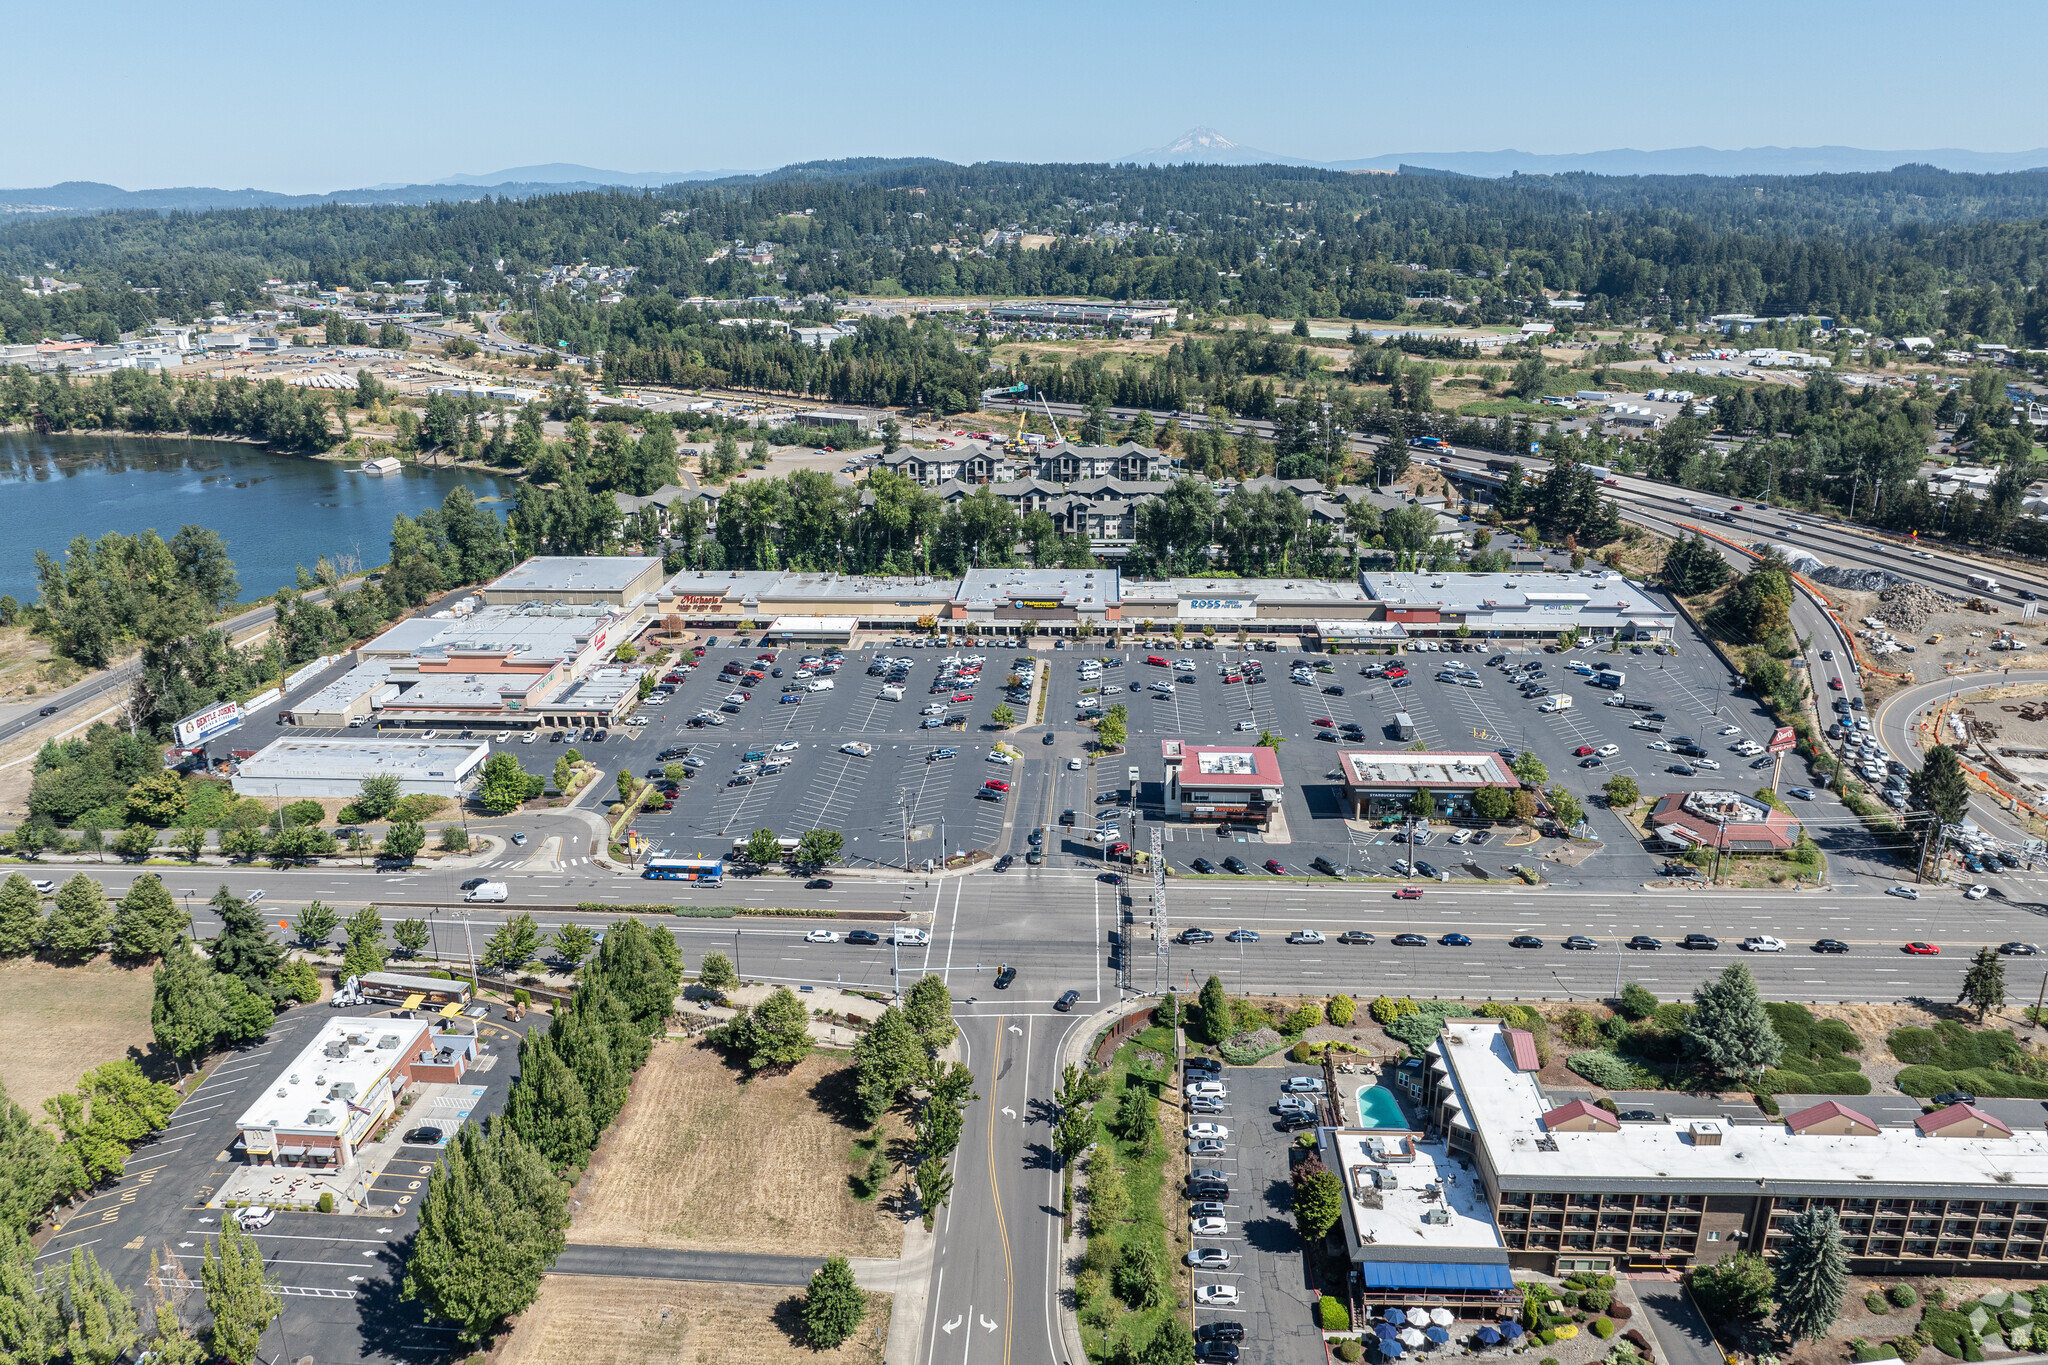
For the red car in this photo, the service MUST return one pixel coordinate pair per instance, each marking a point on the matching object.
(1408, 893)
(1119, 850)
(1276, 867)
(1737, 507)
(769, 658)
(1233, 677)
(1326, 722)
(963, 696)
(1919, 949)
(1156, 661)
(1834, 684)
(1612, 483)
(995, 784)
(1582, 751)
(1397, 671)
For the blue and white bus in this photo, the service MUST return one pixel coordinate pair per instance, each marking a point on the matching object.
(708, 871)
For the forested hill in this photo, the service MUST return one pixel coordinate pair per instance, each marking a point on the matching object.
(1915, 246)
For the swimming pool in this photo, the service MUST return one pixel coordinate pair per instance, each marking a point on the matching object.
(1379, 1107)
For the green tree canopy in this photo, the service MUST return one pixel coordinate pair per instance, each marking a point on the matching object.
(77, 927)
(492, 1222)
(834, 1305)
(1812, 1275)
(1729, 1032)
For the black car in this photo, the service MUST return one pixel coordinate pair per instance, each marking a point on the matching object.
(863, 936)
(425, 1137)
(1410, 941)
(1005, 976)
(1220, 1331)
(1706, 942)
(1106, 798)
(1068, 817)
(1208, 1064)
(1638, 1115)
(1830, 945)
(1335, 690)
(741, 781)
(1203, 866)
(818, 884)
(1525, 941)
(474, 882)
(1329, 736)
(1196, 936)
(1005, 863)
(1049, 737)
(1643, 943)
(1037, 837)
(1208, 1189)
(1296, 1120)
(1216, 1352)
(1948, 1097)
(2018, 949)
(1356, 936)
(1067, 1001)
(1235, 864)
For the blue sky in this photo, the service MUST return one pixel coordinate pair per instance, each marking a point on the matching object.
(314, 97)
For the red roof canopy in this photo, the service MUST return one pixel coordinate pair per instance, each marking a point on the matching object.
(1942, 1118)
(1822, 1112)
(1524, 1044)
(1580, 1109)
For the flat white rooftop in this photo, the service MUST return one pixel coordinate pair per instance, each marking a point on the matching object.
(544, 574)
(1405, 1193)
(346, 759)
(345, 1061)
(539, 634)
(1505, 1106)
(1595, 592)
(1375, 768)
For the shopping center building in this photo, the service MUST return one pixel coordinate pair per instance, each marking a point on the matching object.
(1520, 607)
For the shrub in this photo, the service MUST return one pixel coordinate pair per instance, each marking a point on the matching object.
(1603, 1069)
(304, 813)
(1383, 1010)
(1421, 1022)
(1301, 1052)
(326, 1201)
(1766, 1103)
(1333, 1315)
(1304, 1019)
(1635, 1002)
(1578, 1027)
(1902, 1295)
(1603, 1328)
(1564, 1331)
(1341, 1010)
(1548, 1336)
(1866, 1351)
(1620, 1311)
(1923, 1081)
(1348, 1350)
(1875, 1302)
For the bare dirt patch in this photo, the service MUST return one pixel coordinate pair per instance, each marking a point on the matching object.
(705, 1158)
(72, 1019)
(589, 1320)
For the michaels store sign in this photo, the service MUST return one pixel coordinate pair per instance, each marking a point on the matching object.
(1213, 608)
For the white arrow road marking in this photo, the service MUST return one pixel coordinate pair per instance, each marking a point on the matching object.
(357, 1279)
(987, 1326)
(1009, 1111)
(947, 1327)
(184, 1244)
(1016, 1030)
(206, 1220)
(369, 1253)
(383, 1229)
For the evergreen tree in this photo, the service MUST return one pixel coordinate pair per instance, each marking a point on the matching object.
(774, 1033)
(185, 1005)
(716, 972)
(365, 951)
(491, 1224)
(1940, 787)
(929, 1007)
(1812, 1275)
(244, 947)
(100, 1327)
(77, 927)
(1211, 1016)
(239, 1293)
(1693, 566)
(31, 1171)
(547, 1107)
(32, 1327)
(642, 966)
(582, 1041)
(1318, 1202)
(21, 916)
(1984, 987)
(148, 920)
(1728, 1032)
(834, 1305)
(888, 1058)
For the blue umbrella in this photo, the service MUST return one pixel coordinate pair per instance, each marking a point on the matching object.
(1438, 1335)
(1384, 1331)
(1392, 1350)
(1488, 1337)
(1511, 1330)
(1397, 1317)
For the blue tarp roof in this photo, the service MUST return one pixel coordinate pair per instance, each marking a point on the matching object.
(1436, 1275)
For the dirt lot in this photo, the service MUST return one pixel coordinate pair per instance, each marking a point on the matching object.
(704, 1158)
(79, 1017)
(583, 1320)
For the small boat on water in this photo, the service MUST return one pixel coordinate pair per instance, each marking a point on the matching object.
(384, 464)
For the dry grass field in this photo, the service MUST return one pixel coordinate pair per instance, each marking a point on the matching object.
(72, 1019)
(705, 1158)
(582, 1320)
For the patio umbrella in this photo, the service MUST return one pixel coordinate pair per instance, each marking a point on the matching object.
(1384, 1331)
(1418, 1317)
(1397, 1317)
(1438, 1335)
(1511, 1330)
(1391, 1350)
(1411, 1337)
(1441, 1317)
(1488, 1337)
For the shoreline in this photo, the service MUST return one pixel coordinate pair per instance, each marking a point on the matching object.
(335, 457)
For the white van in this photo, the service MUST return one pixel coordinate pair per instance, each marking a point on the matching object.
(493, 892)
(820, 684)
(1553, 704)
(908, 937)
(892, 694)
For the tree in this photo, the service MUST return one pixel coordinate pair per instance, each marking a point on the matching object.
(135, 841)
(1621, 792)
(1110, 732)
(1493, 803)
(156, 798)
(243, 948)
(28, 1155)
(410, 935)
(376, 796)
(820, 847)
(504, 784)
(1002, 715)
(934, 1187)
(1139, 1279)
(833, 1305)
(1728, 1032)
(147, 920)
(365, 951)
(1169, 1343)
(888, 1059)
(1812, 1274)
(77, 927)
(185, 1005)
(1692, 566)
(774, 1033)
(1076, 1130)
(491, 1224)
(1735, 1288)
(1318, 1203)
(1211, 1016)
(1422, 805)
(99, 1322)
(404, 840)
(1530, 768)
(1940, 787)
(716, 972)
(191, 841)
(572, 943)
(296, 980)
(892, 435)
(315, 923)
(21, 916)
(763, 848)
(32, 1329)
(239, 1293)
(1565, 806)
(1984, 987)
(516, 943)
(929, 1008)
(114, 1107)
(243, 842)
(1137, 1117)
(547, 1107)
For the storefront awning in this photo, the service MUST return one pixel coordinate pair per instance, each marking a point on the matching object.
(1441, 1275)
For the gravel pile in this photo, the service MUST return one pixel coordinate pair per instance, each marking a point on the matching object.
(1909, 606)
(1860, 580)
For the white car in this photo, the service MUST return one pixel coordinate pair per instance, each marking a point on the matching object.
(1209, 1130)
(1763, 943)
(1461, 836)
(822, 936)
(1246, 725)
(1111, 691)
(44, 886)
(254, 1217)
(996, 756)
(1208, 1227)
(1903, 892)
(1663, 745)
(636, 720)
(1713, 763)
(253, 897)
(1216, 1295)
(909, 938)
(1074, 765)
(787, 746)
(821, 684)
(1731, 730)
(1607, 751)
(857, 749)
(1211, 1089)
(1977, 892)
(529, 737)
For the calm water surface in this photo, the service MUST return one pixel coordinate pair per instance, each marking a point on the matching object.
(275, 511)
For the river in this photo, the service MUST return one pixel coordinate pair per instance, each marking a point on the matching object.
(275, 511)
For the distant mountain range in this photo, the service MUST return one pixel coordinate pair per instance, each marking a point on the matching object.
(1198, 146)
